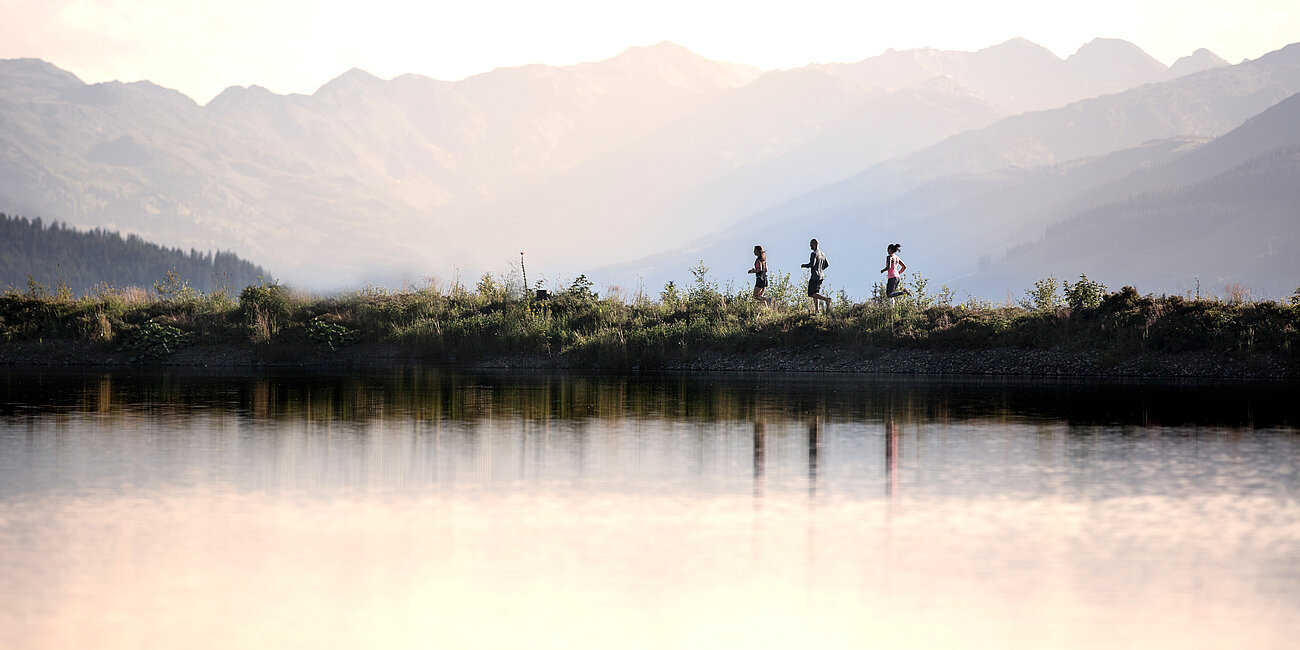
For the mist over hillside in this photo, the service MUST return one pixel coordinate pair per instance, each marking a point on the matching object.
(656, 155)
(1226, 212)
(964, 203)
(363, 178)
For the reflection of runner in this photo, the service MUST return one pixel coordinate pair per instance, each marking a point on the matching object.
(816, 266)
(895, 267)
(814, 444)
(760, 275)
(891, 458)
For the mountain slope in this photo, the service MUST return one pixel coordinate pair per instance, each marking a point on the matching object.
(583, 164)
(980, 193)
(1239, 227)
(759, 145)
(364, 173)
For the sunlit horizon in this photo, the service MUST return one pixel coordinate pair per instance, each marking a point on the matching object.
(294, 46)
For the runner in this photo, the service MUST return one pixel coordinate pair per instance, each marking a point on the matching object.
(760, 275)
(895, 267)
(816, 266)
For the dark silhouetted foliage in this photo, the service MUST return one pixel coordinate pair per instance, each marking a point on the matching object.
(54, 255)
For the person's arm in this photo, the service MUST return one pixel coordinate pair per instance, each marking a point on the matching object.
(812, 259)
(901, 266)
(886, 265)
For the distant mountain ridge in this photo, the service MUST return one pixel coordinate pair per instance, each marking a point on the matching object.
(963, 203)
(582, 165)
(363, 173)
(1020, 76)
(1226, 212)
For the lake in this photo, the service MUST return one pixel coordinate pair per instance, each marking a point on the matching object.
(417, 508)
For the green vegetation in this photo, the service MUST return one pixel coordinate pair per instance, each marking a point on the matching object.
(36, 253)
(577, 325)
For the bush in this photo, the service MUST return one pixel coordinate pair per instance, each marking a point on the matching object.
(1043, 295)
(1084, 293)
(581, 289)
(174, 288)
(155, 341)
(333, 335)
(264, 309)
(782, 290)
(703, 291)
(670, 297)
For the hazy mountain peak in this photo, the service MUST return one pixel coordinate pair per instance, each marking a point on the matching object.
(35, 75)
(668, 56)
(1197, 61)
(34, 68)
(353, 79)
(1114, 51)
(1020, 47)
(660, 50)
(241, 96)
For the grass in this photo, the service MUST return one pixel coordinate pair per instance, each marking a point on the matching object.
(490, 321)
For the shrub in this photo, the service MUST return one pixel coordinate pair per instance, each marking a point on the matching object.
(878, 291)
(332, 334)
(1042, 296)
(703, 290)
(782, 290)
(581, 289)
(155, 341)
(174, 288)
(1084, 293)
(264, 309)
(670, 296)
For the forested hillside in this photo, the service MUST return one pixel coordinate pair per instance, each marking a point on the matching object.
(53, 252)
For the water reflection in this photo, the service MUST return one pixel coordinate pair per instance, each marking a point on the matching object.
(414, 507)
(891, 458)
(430, 394)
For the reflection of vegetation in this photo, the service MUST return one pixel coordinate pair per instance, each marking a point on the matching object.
(431, 395)
(611, 332)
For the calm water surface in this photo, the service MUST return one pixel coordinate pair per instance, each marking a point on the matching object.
(418, 508)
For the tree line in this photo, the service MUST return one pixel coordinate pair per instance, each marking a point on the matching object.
(54, 254)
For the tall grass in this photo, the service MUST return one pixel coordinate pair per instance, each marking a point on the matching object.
(453, 322)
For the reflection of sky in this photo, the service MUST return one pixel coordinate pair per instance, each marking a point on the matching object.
(397, 429)
(86, 454)
(202, 568)
(407, 510)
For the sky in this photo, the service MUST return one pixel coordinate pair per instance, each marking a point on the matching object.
(200, 47)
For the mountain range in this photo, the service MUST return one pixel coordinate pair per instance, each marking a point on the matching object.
(965, 202)
(631, 169)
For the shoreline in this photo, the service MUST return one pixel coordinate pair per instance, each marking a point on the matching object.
(812, 360)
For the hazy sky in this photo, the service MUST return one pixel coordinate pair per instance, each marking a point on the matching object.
(202, 46)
